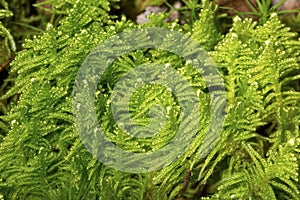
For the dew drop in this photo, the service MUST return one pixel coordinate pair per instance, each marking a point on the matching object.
(234, 35)
(189, 62)
(291, 142)
(13, 122)
(198, 93)
(236, 19)
(169, 108)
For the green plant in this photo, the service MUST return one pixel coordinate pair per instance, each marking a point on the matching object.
(20, 20)
(265, 8)
(256, 157)
(7, 50)
(259, 10)
(6, 41)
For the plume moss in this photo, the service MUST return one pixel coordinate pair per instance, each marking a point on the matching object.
(257, 156)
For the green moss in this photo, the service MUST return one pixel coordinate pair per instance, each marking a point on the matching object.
(256, 157)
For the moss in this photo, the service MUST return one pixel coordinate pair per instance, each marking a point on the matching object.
(255, 157)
